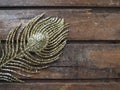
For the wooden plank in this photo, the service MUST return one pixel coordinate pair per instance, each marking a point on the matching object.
(89, 55)
(61, 86)
(99, 3)
(84, 61)
(77, 73)
(100, 55)
(85, 24)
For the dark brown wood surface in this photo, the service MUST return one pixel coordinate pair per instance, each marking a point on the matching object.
(85, 24)
(62, 86)
(99, 3)
(84, 61)
(91, 58)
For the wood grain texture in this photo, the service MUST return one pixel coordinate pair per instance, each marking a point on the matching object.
(62, 86)
(84, 61)
(85, 24)
(98, 3)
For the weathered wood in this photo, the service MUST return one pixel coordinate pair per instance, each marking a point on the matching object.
(85, 24)
(62, 86)
(89, 55)
(71, 73)
(101, 55)
(84, 61)
(76, 73)
(99, 3)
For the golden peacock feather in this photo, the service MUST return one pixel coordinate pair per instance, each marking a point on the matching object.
(33, 48)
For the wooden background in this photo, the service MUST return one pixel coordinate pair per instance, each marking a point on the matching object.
(91, 58)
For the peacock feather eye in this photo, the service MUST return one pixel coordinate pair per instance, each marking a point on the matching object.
(39, 41)
(32, 48)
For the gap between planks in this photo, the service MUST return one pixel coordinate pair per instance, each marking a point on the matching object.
(57, 7)
(96, 80)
